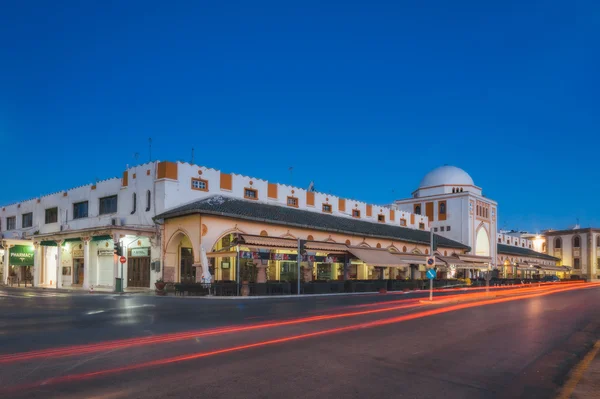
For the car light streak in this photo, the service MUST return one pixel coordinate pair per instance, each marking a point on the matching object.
(377, 323)
(79, 350)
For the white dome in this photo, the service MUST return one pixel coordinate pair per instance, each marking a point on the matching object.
(446, 175)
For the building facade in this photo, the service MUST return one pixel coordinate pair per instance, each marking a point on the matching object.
(180, 221)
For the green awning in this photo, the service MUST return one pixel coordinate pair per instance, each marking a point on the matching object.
(21, 255)
(48, 243)
(101, 238)
(77, 239)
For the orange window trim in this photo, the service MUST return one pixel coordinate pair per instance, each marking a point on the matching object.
(327, 211)
(402, 222)
(310, 198)
(442, 216)
(125, 180)
(412, 218)
(292, 198)
(392, 215)
(166, 170)
(356, 213)
(199, 180)
(381, 218)
(251, 189)
(272, 191)
(369, 210)
(429, 211)
(226, 181)
(342, 205)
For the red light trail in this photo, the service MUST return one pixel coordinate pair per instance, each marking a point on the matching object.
(397, 319)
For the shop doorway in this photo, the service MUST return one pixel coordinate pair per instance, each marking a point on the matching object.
(77, 271)
(188, 272)
(138, 272)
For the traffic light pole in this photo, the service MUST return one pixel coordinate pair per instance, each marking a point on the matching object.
(431, 251)
(299, 259)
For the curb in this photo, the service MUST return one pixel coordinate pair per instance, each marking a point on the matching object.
(279, 296)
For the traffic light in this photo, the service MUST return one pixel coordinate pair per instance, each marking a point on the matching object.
(118, 249)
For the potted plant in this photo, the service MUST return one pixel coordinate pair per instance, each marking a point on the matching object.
(160, 285)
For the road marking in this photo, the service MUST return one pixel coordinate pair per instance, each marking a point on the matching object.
(578, 372)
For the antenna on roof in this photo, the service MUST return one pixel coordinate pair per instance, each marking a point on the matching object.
(311, 187)
(136, 156)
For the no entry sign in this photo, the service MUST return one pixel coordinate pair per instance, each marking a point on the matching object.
(123, 259)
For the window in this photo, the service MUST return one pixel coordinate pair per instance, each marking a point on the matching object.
(523, 245)
(355, 213)
(558, 243)
(447, 228)
(292, 201)
(11, 223)
(80, 210)
(381, 218)
(418, 209)
(576, 263)
(51, 215)
(402, 222)
(108, 205)
(442, 228)
(148, 200)
(26, 220)
(134, 199)
(435, 229)
(250, 193)
(598, 241)
(327, 208)
(199, 184)
(576, 242)
(422, 226)
(499, 240)
(442, 209)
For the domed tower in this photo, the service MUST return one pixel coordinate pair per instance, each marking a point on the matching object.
(456, 209)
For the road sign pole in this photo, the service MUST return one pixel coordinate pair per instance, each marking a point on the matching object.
(122, 259)
(432, 254)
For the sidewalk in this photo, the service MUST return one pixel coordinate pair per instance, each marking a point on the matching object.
(78, 290)
(584, 381)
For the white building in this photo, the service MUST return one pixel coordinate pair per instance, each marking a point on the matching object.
(85, 222)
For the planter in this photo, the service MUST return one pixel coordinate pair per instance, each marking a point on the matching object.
(160, 286)
(245, 289)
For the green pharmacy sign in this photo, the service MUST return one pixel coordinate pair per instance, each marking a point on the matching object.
(21, 255)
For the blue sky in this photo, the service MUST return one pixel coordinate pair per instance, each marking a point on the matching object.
(364, 98)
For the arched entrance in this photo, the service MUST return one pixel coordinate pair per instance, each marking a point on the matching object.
(179, 258)
(482, 242)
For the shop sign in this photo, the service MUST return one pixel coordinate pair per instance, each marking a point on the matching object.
(21, 255)
(78, 253)
(140, 252)
(106, 252)
(290, 257)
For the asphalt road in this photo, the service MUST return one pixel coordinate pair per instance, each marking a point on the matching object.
(362, 346)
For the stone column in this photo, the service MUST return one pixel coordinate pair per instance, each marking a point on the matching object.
(86, 262)
(37, 263)
(59, 264)
(5, 267)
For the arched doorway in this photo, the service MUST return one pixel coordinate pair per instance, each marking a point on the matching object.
(180, 258)
(482, 243)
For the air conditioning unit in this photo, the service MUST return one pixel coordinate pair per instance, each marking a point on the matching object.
(64, 227)
(115, 221)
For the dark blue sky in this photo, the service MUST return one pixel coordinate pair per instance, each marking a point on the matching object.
(364, 98)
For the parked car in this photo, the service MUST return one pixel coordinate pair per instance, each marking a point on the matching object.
(550, 279)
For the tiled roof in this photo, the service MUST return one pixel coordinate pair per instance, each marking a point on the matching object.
(514, 250)
(276, 214)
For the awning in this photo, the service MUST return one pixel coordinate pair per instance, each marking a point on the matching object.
(459, 264)
(377, 257)
(552, 268)
(326, 246)
(49, 243)
(525, 266)
(475, 258)
(226, 254)
(269, 242)
(101, 238)
(411, 259)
